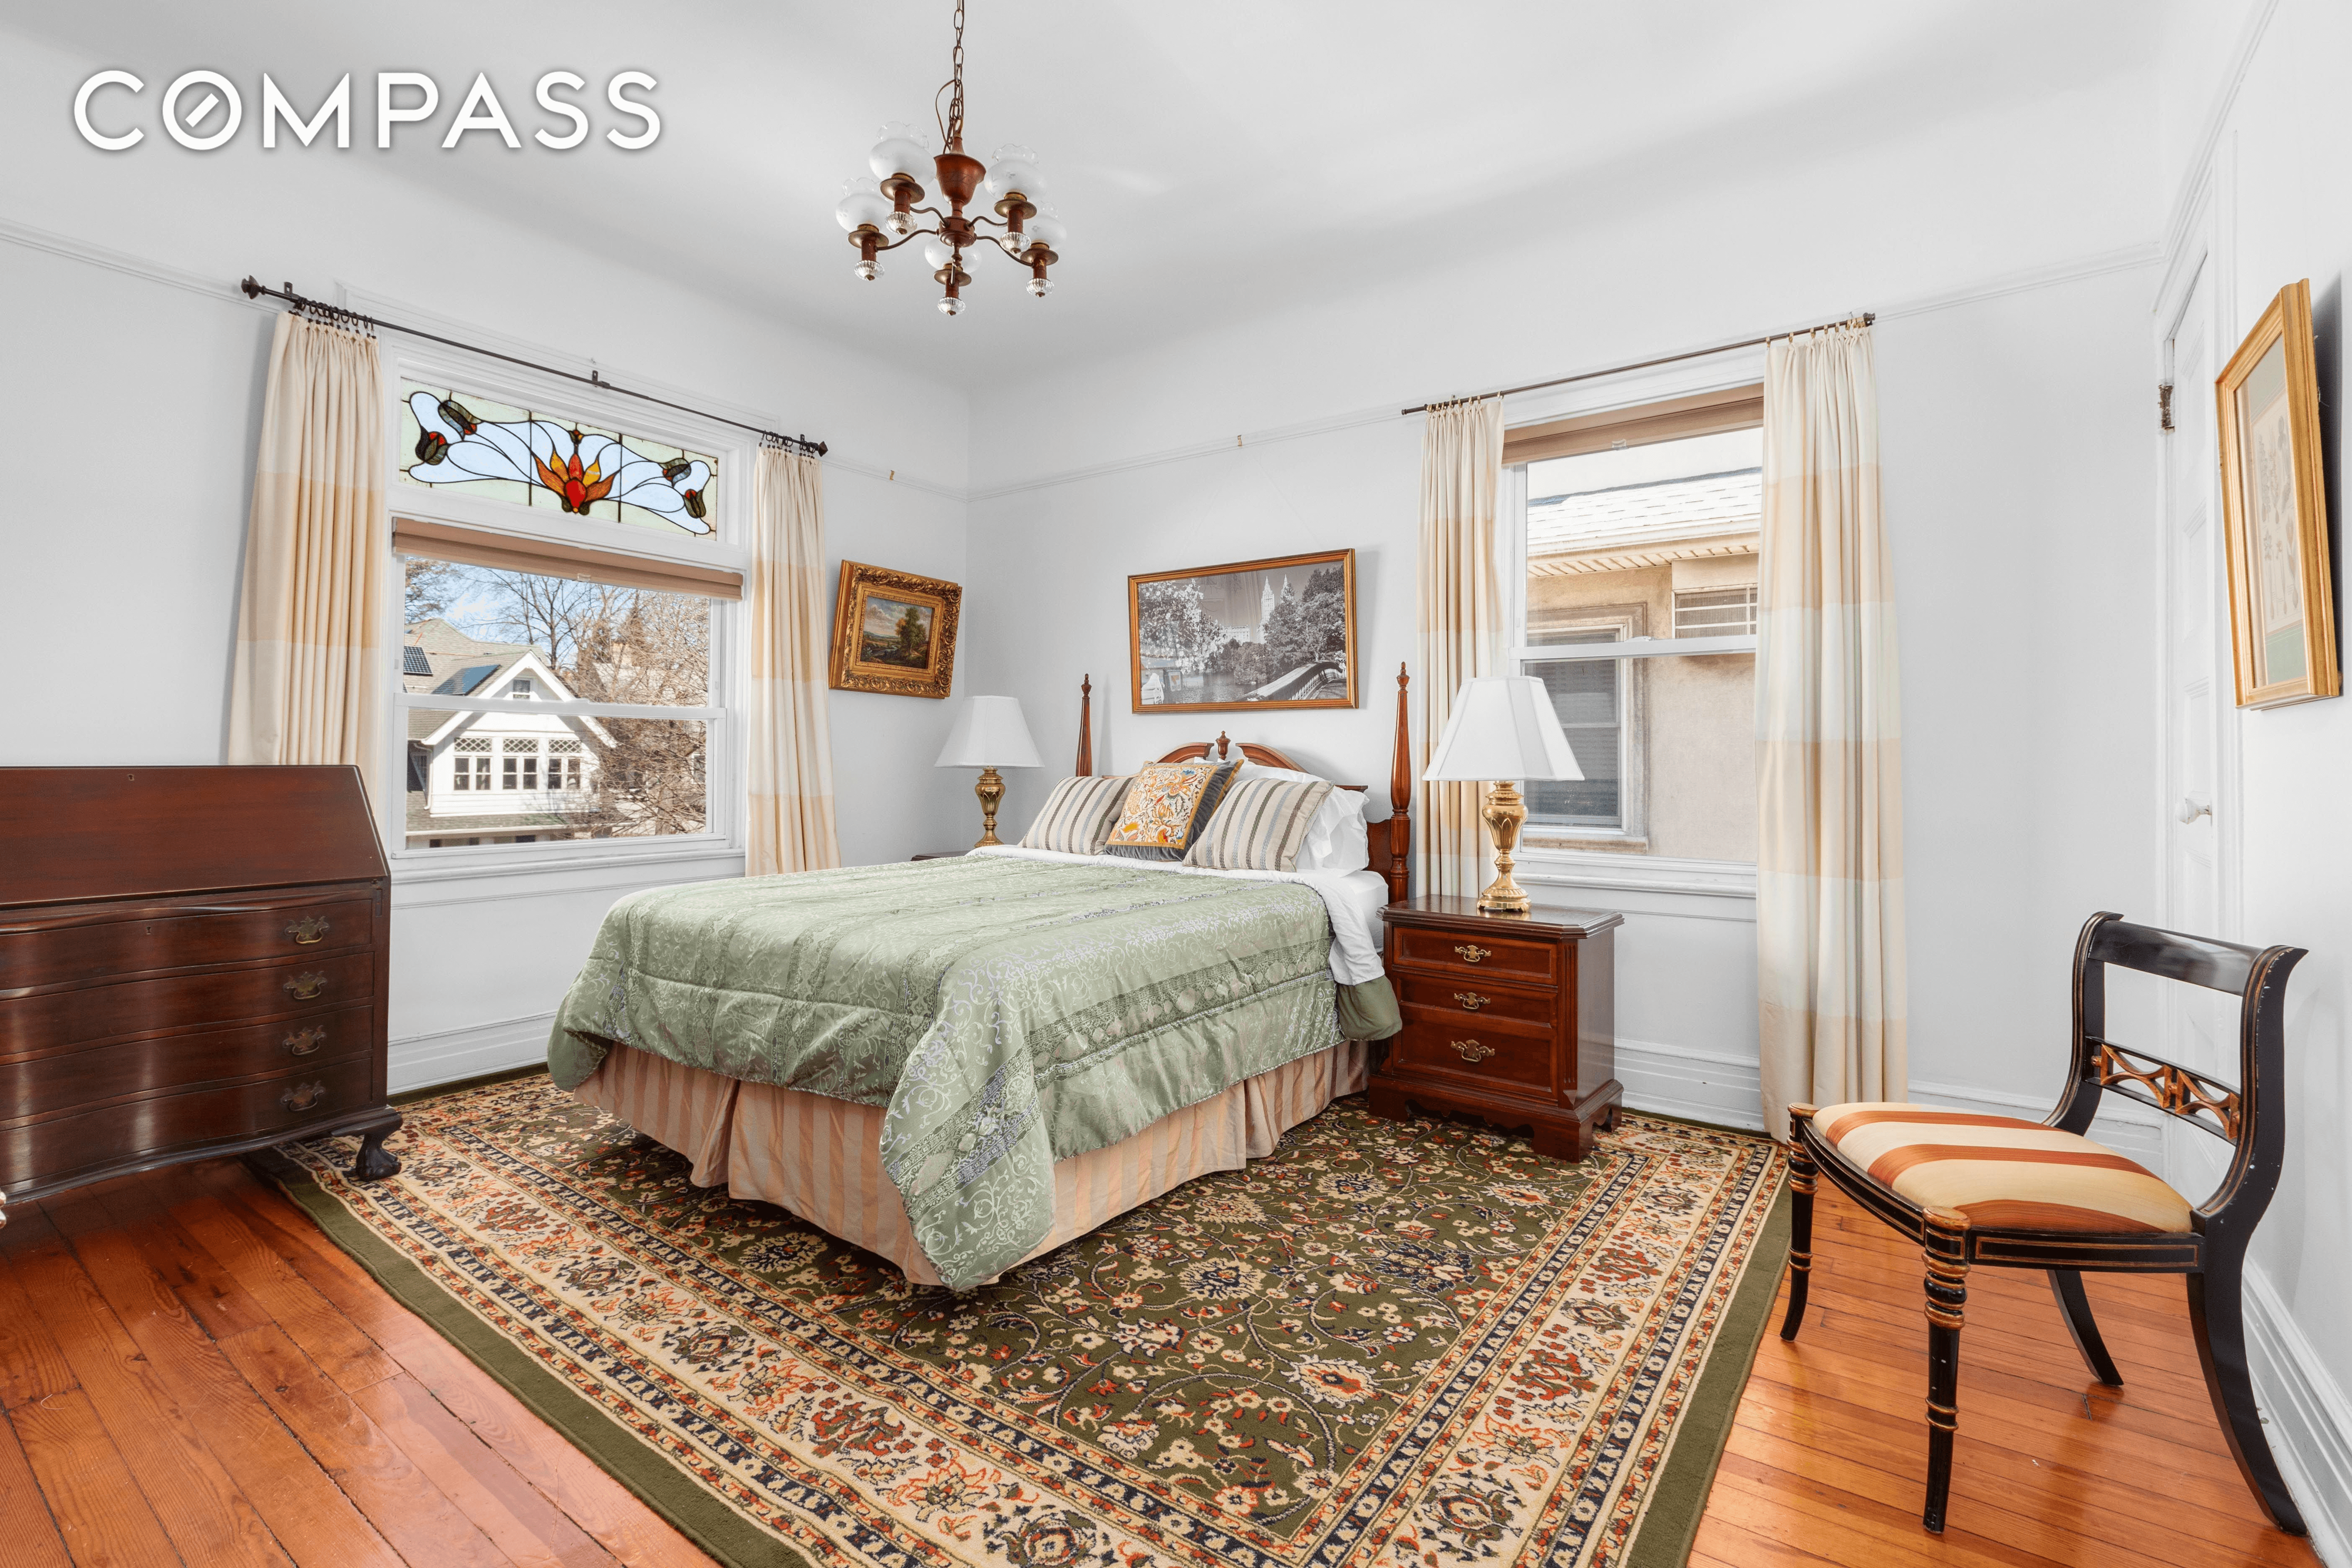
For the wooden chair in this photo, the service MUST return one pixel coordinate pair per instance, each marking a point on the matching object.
(2003, 1192)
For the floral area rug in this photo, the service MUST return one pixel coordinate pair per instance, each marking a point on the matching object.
(1385, 1343)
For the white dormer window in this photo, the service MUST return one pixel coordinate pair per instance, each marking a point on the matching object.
(523, 688)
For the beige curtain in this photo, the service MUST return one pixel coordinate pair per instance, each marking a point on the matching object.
(1829, 861)
(790, 746)
(1461, 625)
(308, 686)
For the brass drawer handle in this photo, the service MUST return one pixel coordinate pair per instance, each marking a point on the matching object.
(310, 929)
(1471, 1000)
(307, 1041)
(1472, 1051)
(1472, 954)
(302, 987)
(304, 1097)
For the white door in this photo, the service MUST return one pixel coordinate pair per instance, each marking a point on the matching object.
(2198, 693)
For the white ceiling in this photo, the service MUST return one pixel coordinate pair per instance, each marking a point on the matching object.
(1211, 158)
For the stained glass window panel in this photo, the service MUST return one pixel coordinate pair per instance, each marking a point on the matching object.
(456, 440)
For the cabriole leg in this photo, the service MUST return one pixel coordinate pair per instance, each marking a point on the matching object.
(1803, 1176)
(374, 1162)
(1945, 1246)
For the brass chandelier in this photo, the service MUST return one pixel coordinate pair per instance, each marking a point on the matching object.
(874, 208)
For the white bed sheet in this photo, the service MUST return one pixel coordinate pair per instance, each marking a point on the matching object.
(1353, 899)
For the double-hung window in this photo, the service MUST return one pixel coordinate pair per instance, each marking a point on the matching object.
(568, 594)
(1633, 581)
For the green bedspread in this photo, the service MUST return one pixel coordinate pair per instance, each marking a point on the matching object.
(1009, 1013)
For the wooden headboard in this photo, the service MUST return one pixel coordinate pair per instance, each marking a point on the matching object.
(1390, 841)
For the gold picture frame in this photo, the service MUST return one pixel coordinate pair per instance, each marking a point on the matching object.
(2275, 511)
(1217, 634)
(892, 632)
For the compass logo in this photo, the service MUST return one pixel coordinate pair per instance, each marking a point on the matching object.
(201, 110)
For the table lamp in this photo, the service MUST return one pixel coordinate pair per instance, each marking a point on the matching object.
(990, 734)
(1503, 729)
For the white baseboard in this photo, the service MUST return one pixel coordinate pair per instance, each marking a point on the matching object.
(444, 1055)
(1681, 1080)
(2305, 1415)
(2128, 1128)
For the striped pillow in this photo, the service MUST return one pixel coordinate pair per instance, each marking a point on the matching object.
(2000, 1171)
(1261, 826)
(1078, 816)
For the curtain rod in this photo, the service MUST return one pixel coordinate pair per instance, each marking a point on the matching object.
(336, 315)
(1864, 319)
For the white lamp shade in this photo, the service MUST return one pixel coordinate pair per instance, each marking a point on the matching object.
(990, 734)
(1503, 727)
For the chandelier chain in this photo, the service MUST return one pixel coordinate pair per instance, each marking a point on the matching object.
(951, 129)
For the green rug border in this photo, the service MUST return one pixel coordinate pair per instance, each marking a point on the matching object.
(711, 1524)
(1688, 1476)
(1679, 1494)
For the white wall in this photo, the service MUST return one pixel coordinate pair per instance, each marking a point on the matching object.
(135, 391)
(2017, 478)
(2283, 146)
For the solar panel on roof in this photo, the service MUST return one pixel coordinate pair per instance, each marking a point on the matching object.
(473, 676)
(412, 661)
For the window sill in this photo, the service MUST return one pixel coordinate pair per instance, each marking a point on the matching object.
(424, 866)
(1617, 870)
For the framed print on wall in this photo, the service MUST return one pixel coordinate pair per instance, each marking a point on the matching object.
(893, 632)
(2275, 511)
(1280, 633)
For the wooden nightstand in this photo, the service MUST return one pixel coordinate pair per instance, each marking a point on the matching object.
(1512, 1018)
(940, 855)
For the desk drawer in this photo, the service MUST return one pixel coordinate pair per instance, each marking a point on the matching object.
(57, 1020)
(1466, 1054)
(1472, 1001)
(47, 1084)
(1478, 953)
(93, 1140)
(169, 939)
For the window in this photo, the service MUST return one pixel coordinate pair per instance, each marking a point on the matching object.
(561, 671)
(1639, 537)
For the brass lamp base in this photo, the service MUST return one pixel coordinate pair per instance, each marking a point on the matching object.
(991, 790)
(1504, 811)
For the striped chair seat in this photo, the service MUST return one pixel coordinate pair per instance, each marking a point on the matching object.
(1998, 1170)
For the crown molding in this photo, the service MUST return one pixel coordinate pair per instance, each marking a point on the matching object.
(72, 247)
(2129, 258)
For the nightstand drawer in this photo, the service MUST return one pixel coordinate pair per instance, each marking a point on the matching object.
(1480, 953)
(1469, 1002)
(1511, 1060)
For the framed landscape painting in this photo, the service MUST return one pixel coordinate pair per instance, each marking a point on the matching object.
(2275, 511)
(893, 631)
(1255, 634)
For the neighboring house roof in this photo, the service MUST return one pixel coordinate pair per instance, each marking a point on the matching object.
(1650, 524)
(461, 666)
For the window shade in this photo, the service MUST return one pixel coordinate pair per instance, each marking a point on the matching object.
(1702, 414)
(505, 552)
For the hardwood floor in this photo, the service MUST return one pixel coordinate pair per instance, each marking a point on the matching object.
(190, 1373)
(1828, 1457)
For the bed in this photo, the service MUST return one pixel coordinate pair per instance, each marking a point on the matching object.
(960, 1064)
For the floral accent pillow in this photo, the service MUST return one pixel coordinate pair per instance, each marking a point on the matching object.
(1167, 806)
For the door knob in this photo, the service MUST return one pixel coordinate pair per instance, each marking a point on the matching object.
(2192, 809)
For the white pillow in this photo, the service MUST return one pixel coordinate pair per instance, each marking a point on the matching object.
(1337, 839)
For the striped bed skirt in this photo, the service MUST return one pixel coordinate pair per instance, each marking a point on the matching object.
(821, 1158)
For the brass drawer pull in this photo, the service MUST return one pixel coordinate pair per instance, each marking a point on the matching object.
(306, 1041)
(1472, 954)
(302, 987)
(1471, 1000)
(1472, 1051)
(304, 1097)
(310, 929)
